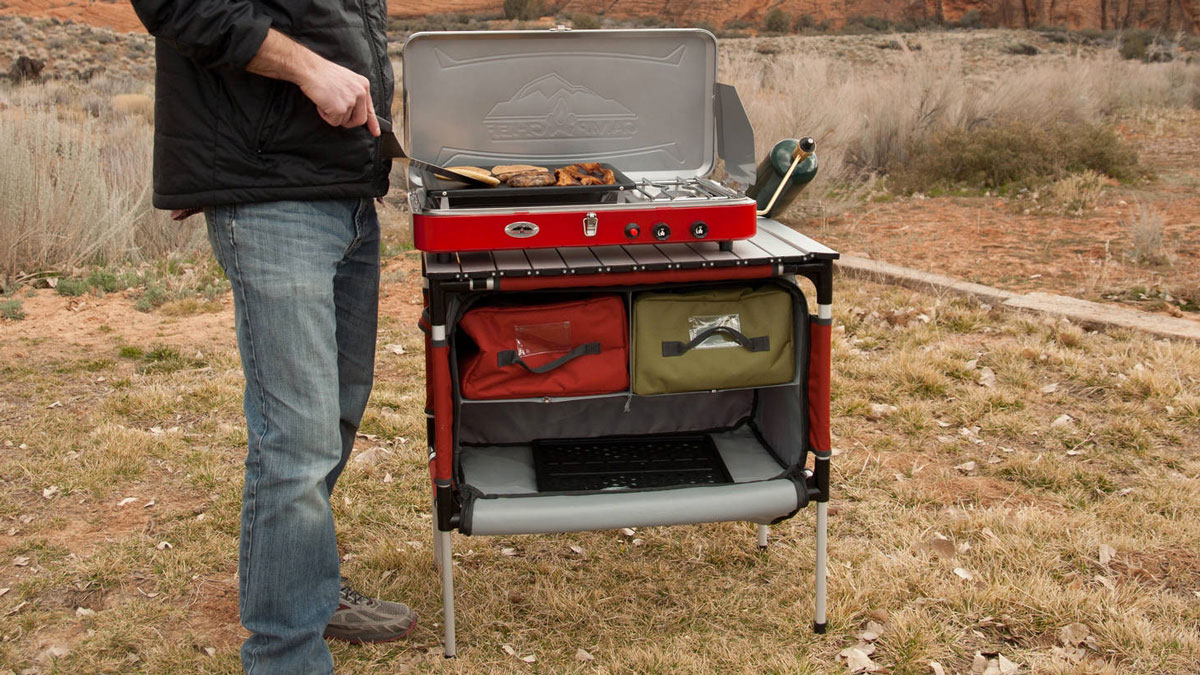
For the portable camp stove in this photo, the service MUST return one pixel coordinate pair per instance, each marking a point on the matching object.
(645, 104)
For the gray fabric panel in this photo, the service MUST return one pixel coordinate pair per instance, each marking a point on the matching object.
(755, 502)
(745, 457)
(509, 470)
(515, 422)
(782, 422)
(500, 471)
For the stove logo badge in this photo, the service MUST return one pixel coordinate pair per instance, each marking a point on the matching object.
(551, 107)
(522, 229)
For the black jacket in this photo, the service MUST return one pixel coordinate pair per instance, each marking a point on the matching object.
(225, 136)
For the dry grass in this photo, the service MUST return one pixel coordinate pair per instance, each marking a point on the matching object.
(1028, 521)
(868, 118)
(75, 188)
(1147, 243)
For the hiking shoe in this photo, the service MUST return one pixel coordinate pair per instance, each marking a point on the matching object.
(361, 619)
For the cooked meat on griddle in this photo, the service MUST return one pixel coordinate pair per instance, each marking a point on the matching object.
(565, 178)
(531, 179)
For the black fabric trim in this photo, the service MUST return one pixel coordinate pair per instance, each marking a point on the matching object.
(752, 344)
(376, 187)
(509, 357)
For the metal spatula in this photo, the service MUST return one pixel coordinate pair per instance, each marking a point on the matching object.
(392, 149)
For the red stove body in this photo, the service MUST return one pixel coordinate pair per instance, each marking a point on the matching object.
(644, 103)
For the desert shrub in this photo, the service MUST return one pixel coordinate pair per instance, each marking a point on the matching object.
(777, 21)
(1147, 245)
(1021, 49)
(1013, 154)
(1076, 192)
(585, 21)
(1134, 45)
(970, 19)
(522, 9)
(11, 310)
(77, 191)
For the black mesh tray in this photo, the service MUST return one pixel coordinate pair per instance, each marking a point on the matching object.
(484, 196)
(627, 463)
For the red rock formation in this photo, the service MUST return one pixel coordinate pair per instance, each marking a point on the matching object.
(1077, 14)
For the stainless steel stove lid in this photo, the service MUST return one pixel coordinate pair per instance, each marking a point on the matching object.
(641, 100)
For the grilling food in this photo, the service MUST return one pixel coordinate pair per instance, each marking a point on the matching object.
(590, 173)
(482, 175)
(506, 171)
(531, 179)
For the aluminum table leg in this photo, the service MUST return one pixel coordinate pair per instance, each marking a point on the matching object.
(442, 544)
(762, 537)
(822, 527)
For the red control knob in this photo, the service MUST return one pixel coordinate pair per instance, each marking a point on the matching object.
(633, 231)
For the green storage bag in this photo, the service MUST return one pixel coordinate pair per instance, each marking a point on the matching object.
(725, 338)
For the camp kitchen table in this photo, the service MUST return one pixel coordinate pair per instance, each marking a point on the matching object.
(645, 103)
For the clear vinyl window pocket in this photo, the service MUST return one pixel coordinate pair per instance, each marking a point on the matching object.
(698, 325)
(542, 338)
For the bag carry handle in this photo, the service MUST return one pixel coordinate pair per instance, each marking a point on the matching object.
(509, 357)
(750, 344)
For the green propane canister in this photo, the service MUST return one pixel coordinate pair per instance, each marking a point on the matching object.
(774, 167)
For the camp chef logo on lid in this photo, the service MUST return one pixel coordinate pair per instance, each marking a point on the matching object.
(552, 107)
(521, 229)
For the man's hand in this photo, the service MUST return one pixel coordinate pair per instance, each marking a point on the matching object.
(342, 96)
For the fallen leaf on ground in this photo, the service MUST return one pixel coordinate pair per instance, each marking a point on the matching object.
(627, 531)
(937, 668)
(510, 552)
(395, 348)
(50, 492)
(972, 364)
(56, 404)
(964, 573)
(1106, 582)
(387, 477)
(529, 659)
(84, 611)
(872, 631)
(857, 661)
(127, 501)
(1050, 388)
(5, 590)
(576, 549)
(1062, 421)
(1106, 553)
(881, 615)
(211, 651)
(163, 545)
(148, 504)
(1074, 634)
(987, 377)
(508, 650)
(879, 411)
(21, 561)
(582, 655)
(942, 546)
(967, 467)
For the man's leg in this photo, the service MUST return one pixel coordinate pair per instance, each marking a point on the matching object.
(282, 259)
(356, 294)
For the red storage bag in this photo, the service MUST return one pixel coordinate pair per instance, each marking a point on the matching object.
(575, 348)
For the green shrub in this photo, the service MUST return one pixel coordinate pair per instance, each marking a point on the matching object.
(103, 280)
(1013, 155)
(777, 21)
(1134, 45)
(11, 310)
(585, 21)
(154, 295)
(970, 19)
(522, 9)
(71, 287)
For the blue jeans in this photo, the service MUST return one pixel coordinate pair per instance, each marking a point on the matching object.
(305, 279)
